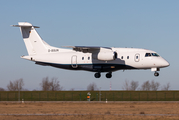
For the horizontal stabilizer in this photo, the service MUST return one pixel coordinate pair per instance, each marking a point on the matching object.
(24, 24)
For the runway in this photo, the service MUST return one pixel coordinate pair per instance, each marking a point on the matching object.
(89, 110)
(88, 114)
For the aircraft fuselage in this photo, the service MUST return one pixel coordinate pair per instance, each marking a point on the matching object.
(127, 58)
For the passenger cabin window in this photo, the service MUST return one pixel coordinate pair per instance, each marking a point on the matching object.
(121, 57)
(137, 57)
(82, 58)
(127, 57)
(88, 58)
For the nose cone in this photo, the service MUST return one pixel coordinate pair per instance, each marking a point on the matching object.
(164, 63)
(160, 62)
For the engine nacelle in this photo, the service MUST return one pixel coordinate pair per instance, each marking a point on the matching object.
(107, 56)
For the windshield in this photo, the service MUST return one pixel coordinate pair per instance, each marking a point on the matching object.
(147, 54)
(151, 54)
(155, 54)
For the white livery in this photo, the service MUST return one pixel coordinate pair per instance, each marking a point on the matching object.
(89, 58)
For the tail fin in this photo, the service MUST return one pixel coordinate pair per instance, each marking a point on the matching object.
(34, 43)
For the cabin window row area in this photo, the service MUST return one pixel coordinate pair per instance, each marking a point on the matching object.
(84, 58)
(123, 57)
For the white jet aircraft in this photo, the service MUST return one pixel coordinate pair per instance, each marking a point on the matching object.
(89, 58)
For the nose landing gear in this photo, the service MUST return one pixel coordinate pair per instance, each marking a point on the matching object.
(156, 74)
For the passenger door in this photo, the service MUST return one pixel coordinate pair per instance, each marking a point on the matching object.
(74, 61)
(137, 57)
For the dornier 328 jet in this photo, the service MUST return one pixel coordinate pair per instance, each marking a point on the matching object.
(89, 58)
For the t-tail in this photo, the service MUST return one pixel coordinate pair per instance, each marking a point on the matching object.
(34, 43)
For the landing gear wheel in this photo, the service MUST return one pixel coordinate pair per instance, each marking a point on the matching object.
(156, 74)
(108, 75)
(97, 75)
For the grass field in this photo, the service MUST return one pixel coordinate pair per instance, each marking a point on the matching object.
(95, 95)
(89, 110)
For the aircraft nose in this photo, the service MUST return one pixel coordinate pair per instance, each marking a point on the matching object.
(165, 63)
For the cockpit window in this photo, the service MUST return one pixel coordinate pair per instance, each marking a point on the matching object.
(155, 54)
(147, 55)
(151, 54)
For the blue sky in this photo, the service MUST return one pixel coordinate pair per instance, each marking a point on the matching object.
(151, 24)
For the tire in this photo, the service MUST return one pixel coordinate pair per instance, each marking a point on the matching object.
(108, 75)
(97, 75)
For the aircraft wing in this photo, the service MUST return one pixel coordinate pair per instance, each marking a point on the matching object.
(86, 48)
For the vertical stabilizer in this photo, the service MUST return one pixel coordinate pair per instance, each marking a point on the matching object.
(34, 43)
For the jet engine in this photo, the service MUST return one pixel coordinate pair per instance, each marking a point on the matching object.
(107, 56)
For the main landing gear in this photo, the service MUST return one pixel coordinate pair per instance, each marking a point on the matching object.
(98, 75)
(109, 75)
(156, 74)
